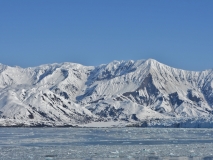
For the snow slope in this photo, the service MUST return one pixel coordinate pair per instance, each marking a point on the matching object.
(143, 92)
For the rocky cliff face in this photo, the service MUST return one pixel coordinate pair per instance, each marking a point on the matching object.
(126, 91)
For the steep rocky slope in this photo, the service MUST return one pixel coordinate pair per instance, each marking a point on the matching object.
(142, 93)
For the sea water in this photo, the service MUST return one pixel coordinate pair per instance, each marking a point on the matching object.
(106, 143)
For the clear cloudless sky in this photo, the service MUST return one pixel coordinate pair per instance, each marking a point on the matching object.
(178, 33)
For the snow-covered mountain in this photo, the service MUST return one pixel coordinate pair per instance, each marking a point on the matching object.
(137, 93)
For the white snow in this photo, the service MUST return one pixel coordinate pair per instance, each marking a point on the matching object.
(121, 91)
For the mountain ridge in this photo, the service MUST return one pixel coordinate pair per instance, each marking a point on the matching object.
(121, 92)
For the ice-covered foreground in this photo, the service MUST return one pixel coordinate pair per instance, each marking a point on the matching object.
(106, 143)
(122, 93)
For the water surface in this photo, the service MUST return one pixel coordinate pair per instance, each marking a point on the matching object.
(106, 143)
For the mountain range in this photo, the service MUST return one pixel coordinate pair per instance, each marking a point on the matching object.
(139, 93)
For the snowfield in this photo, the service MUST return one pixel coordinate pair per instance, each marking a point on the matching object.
(143, 93)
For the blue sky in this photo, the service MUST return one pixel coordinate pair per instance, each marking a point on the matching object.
(92, 32)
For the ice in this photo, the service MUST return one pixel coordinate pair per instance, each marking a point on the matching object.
(96, 143)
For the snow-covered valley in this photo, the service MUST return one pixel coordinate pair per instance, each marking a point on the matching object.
(139, 93)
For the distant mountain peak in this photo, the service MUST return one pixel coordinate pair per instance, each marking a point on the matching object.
(125, 91)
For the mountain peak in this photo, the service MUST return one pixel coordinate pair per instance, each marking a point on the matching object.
(150, 60)
(153, 62)
(125, 91)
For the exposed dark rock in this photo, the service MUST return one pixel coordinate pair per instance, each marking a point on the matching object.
(109, 74)
(45, 73)
(45, 94)
(110, 111)
(30, 115)
(174, 99)
(42, 98)
(77, 74)
(208, 94)
(147, 85)
(64, 112)
(144, 124)
(88, 92)
(50, 104)
(97, 100)
(65, 106)
(134, 117)
(160, 110)
(193, 98)
(71, 87)
(65, 72)
(160, 98)
(119, 99)
(64, 94)
(45, 115)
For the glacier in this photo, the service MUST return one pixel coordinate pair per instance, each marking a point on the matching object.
(142, 93)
